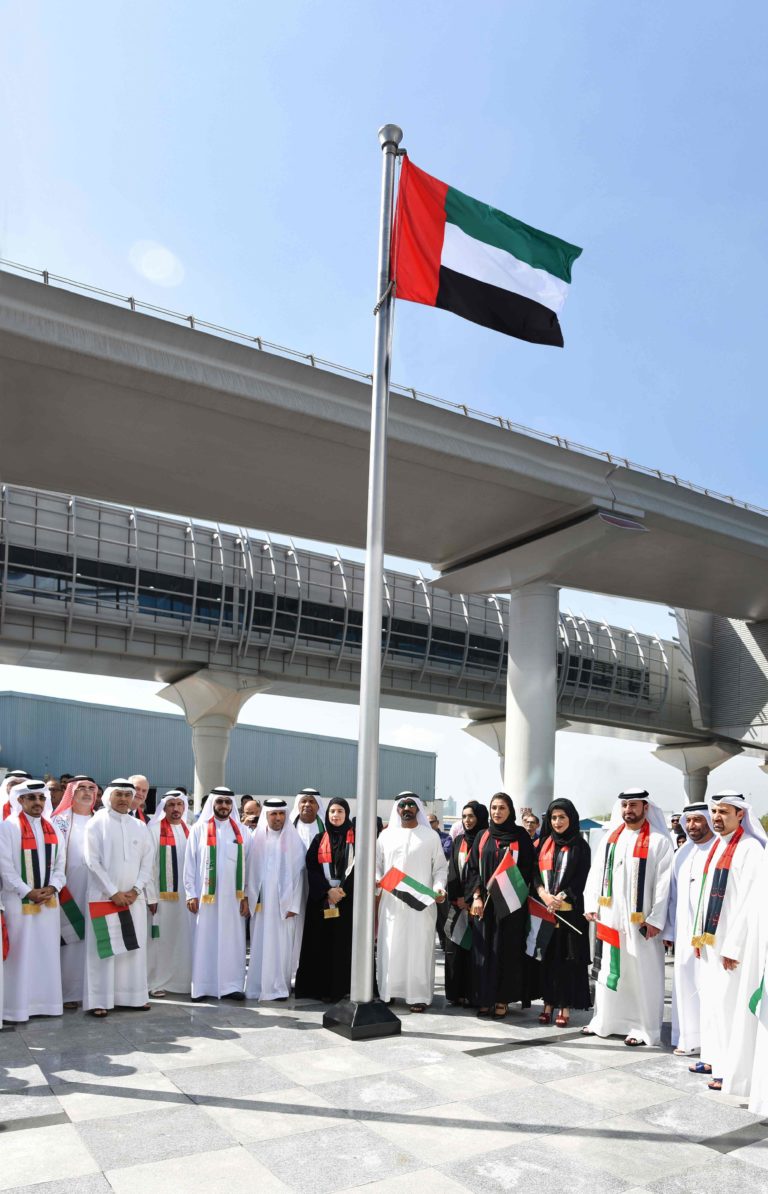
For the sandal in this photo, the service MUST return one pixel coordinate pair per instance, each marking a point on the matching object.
(700, 1067)
(715, 1084)
(545, 1017)
(418, 1007)
(70, 1005)
(499, 1015)
(562, 1021)
(587, 1031)
(632, 1042)
(99, 1012)
(483, 1013)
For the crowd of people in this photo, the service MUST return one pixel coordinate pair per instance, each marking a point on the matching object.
(105, 908)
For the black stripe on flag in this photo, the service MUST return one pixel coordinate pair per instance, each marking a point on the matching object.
(411, 900)
(175, 866)
(498, 309)
(128, 929)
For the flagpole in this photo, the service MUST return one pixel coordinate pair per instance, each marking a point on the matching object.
(361, 1016)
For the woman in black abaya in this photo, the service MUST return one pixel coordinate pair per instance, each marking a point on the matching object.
(563, 864)
(458, 958)
(498, 943)
(325, 962)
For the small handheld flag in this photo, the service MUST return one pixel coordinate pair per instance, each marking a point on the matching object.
(507, 887)
(458, 928)
(542, 925)
(114, 929)
(416, 895)
(610, 973)
(453, 252)
(72, 921)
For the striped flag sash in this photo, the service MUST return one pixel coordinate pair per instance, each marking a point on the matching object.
(154, 926)
(30, 860)
(542, 925)
(607, 968)
(324, 857)
(72, 921)
(756, 998)
(640, 856)
(553, 882)
(209, 895)
(113, 928)
(458, 928)
(404, 887)
(705, 923)
(169, 860)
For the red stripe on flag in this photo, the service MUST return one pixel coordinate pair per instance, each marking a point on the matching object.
(608, 935)
(390, 881)
(537, 909)
(418, 235)
(105, 908)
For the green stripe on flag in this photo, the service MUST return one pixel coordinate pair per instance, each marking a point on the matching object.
(519, 884)
(414, 884)
(493, 227)
(103, 938)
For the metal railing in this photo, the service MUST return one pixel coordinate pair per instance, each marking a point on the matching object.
(258, 342)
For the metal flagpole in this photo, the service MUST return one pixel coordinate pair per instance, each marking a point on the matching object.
(361, 1016)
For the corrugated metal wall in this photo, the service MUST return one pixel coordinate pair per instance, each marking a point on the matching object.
(44, 734)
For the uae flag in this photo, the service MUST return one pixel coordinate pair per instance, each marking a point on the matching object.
(416, 895)
(608, 968)
(71, 919)
(458, 928)
(508, 888)
(114, 929)
(464, 256)
(542, 926)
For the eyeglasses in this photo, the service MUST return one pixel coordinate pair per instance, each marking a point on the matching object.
(407, 804)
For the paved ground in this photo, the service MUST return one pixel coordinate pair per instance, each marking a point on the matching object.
(231, 1097)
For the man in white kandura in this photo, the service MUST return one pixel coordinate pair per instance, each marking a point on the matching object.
(11, 780)
(118, 854)
(627, 893)
(32, 867)
(170, 947)
(276, 872)
(71, 819)
(308, 818)
(687, 871)
(723, 911)
(757, 947)
(214, 880)
(405, 958)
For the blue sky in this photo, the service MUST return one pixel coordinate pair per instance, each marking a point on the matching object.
(242, 140)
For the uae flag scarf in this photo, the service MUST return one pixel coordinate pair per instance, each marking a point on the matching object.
(30, 861)
(454, 252)
(640, 856)
(325, 857)
(706, 932)
(209, 895)
(169, 860)
(552, 877)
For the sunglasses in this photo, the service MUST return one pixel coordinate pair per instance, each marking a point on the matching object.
(407, 804)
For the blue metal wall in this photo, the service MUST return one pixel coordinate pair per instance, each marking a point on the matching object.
(44, 734)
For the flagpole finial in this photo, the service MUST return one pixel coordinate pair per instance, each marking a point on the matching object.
(390, 134)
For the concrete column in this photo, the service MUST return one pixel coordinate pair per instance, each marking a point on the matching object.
(529, 736)
(696, 760)
(211, 701)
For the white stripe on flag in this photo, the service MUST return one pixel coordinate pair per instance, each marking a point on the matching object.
(487, 263)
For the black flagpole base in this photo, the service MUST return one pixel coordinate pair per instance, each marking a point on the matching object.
(361, 1021)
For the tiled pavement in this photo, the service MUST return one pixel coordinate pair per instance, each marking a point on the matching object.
(231, 1098)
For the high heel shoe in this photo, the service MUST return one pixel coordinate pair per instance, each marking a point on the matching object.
(545, 1017)
(562, 1021)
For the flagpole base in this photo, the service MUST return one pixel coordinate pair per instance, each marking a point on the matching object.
(361, 1021)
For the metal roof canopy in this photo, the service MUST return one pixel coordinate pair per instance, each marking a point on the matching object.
(131, 408)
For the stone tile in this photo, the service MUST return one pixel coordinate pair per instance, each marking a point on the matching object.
(18, 1075)
(532, 1169)
(104, 1099)
(75, 1066)
(27, 1103)
(427, 1181)
(92, 1183)
(152, 1137)
(616, 1090)
(326, 1065)
(53, 1154)
(233, 1170)
(274, 1040)
(278, 1113)
(400, 1052)
(544, 1064)
(191, 1051)
(615, 1145)
(609, 1052)
(454, 1126)
(696, 1118)
(721, 1173)
(470, 1076)
(536, 1109)
(754, 1154)
(379, 1092)
(227, 1083)
(326, 1156)
(671, 1071)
